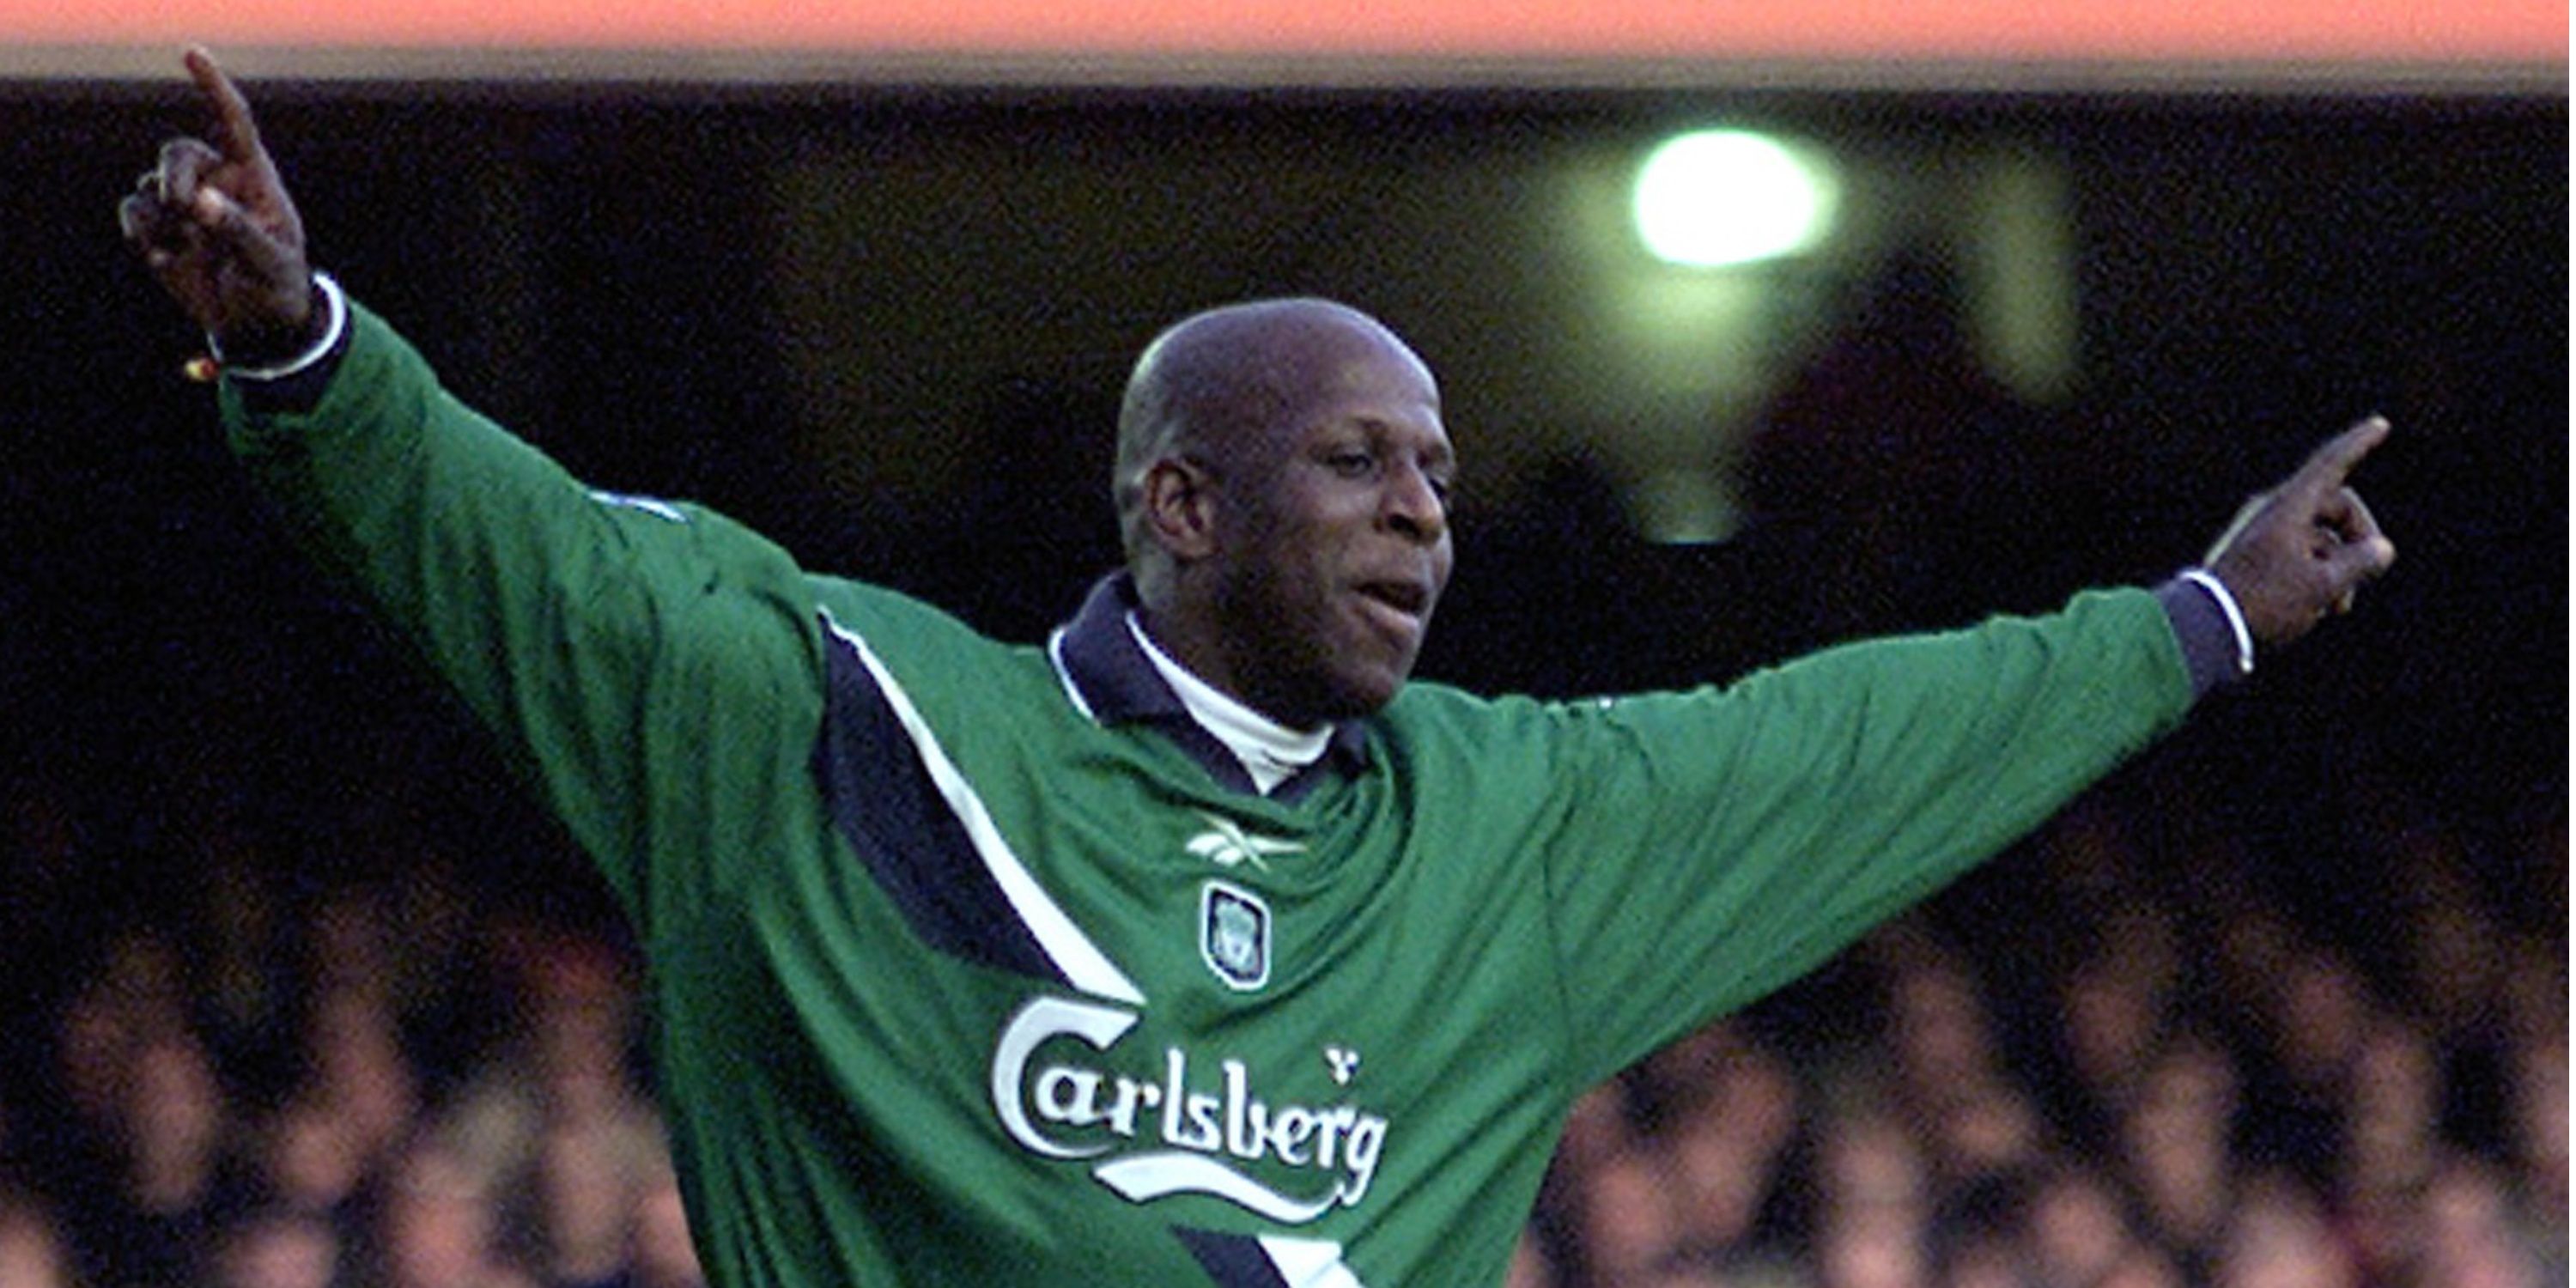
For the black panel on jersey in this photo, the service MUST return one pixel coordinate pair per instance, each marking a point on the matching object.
(1233, 1260)
(885, 805)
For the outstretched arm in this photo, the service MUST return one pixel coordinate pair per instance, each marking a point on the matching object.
(633, 657)
(1779, 818)
(215, 224)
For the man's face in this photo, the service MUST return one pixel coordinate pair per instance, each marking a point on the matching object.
(1332, 538)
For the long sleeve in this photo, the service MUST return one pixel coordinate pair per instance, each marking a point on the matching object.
(1726, 841)
(635, 657)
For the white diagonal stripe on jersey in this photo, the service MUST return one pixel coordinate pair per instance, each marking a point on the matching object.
(1309, 1263)
(1082, 962)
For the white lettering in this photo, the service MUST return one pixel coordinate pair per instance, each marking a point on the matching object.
(1334, 1122)
(1366, 1136)
(1178, 1103)
(1080, 1107)
(1241, 1110)
(1045, 1018)
(1203, 1134)
(1288, 1133)
(1199, 1127)
(1131, 1095)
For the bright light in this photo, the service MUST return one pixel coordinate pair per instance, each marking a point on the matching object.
(1718, 197)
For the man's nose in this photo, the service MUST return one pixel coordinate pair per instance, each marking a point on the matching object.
(1413, 504)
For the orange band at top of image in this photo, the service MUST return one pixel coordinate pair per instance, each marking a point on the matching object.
(1981, 30)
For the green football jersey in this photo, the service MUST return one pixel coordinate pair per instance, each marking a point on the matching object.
(977, 963)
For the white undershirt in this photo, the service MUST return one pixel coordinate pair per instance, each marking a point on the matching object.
(1271, 752)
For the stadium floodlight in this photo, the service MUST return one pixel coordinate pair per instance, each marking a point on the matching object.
(1712, 198)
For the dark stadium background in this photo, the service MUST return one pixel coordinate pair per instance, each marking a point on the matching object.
(603, 267)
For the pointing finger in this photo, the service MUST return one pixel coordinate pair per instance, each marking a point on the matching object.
(2326, 469)
(235, 132)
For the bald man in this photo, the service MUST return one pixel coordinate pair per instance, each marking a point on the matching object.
(1197, 945)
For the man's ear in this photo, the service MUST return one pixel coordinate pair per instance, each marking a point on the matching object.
(1180, 507)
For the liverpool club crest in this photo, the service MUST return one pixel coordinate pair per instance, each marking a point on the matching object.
(1234, 935)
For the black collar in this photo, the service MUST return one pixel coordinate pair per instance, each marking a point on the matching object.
(1110, 676)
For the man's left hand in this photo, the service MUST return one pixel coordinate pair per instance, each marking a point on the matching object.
(2302, 550)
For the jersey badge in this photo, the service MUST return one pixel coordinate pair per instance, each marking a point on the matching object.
(1234, 935)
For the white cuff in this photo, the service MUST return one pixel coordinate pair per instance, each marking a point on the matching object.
(2208, 581)
(336, 312)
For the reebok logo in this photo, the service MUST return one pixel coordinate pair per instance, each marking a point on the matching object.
(1227, 845)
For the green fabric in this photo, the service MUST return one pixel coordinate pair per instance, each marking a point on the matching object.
(1511, 901)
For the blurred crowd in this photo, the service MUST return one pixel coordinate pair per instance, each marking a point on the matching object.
(2143, 1067)
(210, 1119)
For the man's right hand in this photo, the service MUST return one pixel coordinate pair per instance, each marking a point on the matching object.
(214, 223)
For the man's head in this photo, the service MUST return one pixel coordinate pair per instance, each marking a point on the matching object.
(1282, 488)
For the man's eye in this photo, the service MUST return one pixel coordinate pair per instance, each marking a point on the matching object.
(1351, 464)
